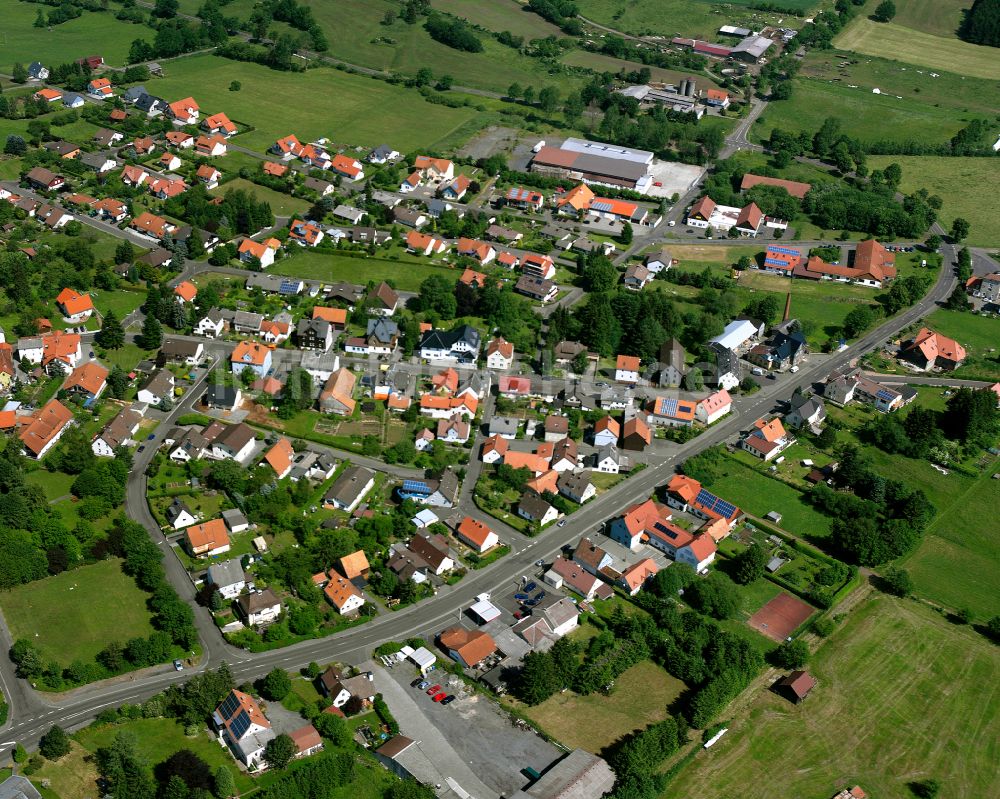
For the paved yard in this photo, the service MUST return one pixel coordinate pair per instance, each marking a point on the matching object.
(471, 736)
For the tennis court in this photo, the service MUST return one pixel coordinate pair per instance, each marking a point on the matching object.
(780, 617)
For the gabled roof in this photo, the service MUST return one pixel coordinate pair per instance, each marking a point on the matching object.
(750, 217)
(702, 208)
(636, 575)
(472, 646)
(793, 187)
(73, 302)
(770, 431)
(89, 377)
(473, 530)
(354, 565)
(186, 290)
(46, 424)
(250, 352)
(339, 591)
(212, 534)
(279, 457)
(933, 345)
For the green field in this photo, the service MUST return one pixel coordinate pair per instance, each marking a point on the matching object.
(699, 18)
(407, 274)
(74, 615)
(407, 48)
(863, 115)
(959, 558)
(640, 697)
(950, 179)
(758, 495)
(349, 109)
(902, 695)
(938, 17)
(605, 63)
(281, 204)
(977, 334)
(500, 15)
(93, 32)
(959, 92)
(863, 35)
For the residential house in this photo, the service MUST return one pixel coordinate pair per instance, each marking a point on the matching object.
(476, 535)
(930, 350)
(134, 175)
(606, 432)
(244, 728)
(152, 225)
(576, 486)
(499, 354)
(454, 430)
(672, 363)
(434, 168)
(117, 433)
(343, 595)
(440, 493)
(185, 292)
(208, 175)
(111, 210)
(218, 124)
(185, 112)
(45, 428)
(532, 507)
(536, 288)
(158, 388)
(341, 689)
(641, 523)
(766, 440)
(713, 407)
(106, 137)
(208, 539)
(235, 442)
(480, 250)
(627, 369)
(258, 253)
(347, 167)
(636, 277)
(251, 355)
(87, 380)
(422, 244)
(314, 334)
(637, 575)
(280, 457)
(74, 307)
(190, 445)
(60, 352)
(460, 345)
(727, 368)
(456, 189)
(569, 574)
(211, 146)
(410, 183)
(180, 139)
(259, 608)
(337, 395)
(671, 412)
(37, 71)
(538, 266)
(382, 154)
(438, 407)
(607, 460)
(525, 199)
(44, 179)
(349, 489)
(222, 398)
(48, 95)
(179, 515)
(382, 300)
(591, 557)
(469, 648)
(228, 578)
(636, 434)
(305, 233)
(805, 411)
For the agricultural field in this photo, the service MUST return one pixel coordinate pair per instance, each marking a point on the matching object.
(605, 63)
(406, 272)
(960, 92)
(863, 115)
(640, 697)
(697, 18)
(958, 560)
(937, 17)
(77, 613)
(407, 48)
(902, 695)
(320, 102)
(21, 42)
(950, 179)
(978, 334)
(281, 204)
(863, 35)
(499, 16)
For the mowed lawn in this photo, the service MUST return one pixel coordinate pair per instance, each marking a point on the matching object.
(281, 204)
(863, 115)
(77, 613)
(499, 16)
(938, 17)
(950, 179)
(605, 63)
(980, 335)
(958, 561)
(918, 47)
(348, 109)
(407, 275)
(758, 494)
(640, 697)
(700, 18)
(93, 32)
(902, 695)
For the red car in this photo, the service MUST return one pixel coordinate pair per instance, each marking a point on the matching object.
(433, 690)
(439, 696)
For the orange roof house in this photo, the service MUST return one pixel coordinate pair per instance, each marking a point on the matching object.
(468, 647)
(279, 457)
(49, 95)
(180, 138)
(185, 110)
(289, 145)
(100, 87)
(476, 534)
(250, 352)
(636, 434)
(335, 316)
(702, 209)
(218, 123)
(207, 538)
(304, 232)
(61, 347)
(337, 395)
(89, 379)
(186, 291)
(578, 199)
(342, 594)
(275, 170)
(45, 428)
(74, 304)
(354, 565)
(636, 575)
(445, 381)
(929, 349)
(771, 431)
(536, 464)
(750, 217)
(793, 187)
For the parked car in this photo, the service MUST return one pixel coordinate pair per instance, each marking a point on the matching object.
(439, 696)
(422, 684)
(433, 690)
(417, 683)
(448, 699)
(178, 666)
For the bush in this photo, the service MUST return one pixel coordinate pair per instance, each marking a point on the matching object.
(896, 582)
(276, 685)
(790, 655)
(54, 744)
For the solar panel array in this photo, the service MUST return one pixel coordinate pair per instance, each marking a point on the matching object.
(885, 395)
(414, 485)
(601, 205)
(713, 503)
(240, 725)
(785, 250)
(289, 287)
(229, 706)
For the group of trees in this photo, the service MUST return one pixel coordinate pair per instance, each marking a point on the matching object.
(559, 12)
(828, 23)
(297, 15)
(453, 32)
(982, 23)
(239, 212)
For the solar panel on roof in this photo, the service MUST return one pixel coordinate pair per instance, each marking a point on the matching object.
(240, 725)
(885, 395)
(599, 205)
(229, 706)
(414, 485)
(713, 503)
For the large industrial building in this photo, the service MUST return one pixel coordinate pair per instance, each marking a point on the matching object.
(597, 162)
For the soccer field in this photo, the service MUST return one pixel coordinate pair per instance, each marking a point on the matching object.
(902, 695)
(74, 615)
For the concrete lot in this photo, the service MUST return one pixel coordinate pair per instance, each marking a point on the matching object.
(472, 734)
(676, 178)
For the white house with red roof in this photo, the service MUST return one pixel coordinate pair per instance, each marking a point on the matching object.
(713, 407)
(499, 354)
(627, 369)
(185, 112)
(766, 440)
(243, 727)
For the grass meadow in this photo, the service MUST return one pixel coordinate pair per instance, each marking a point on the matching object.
(499, 16)
(864, 36)
(902, 695)
(950, 179)
(698, 18)
(281, 204)
(863, 115)
(937, 17)
(21, 42)
(605, 63)
(406, 271)
(349, 109)
(74, 615)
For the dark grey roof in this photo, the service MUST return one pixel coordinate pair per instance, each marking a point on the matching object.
(134, 93)
(18, 787)
(446, 339)
(176, 508)
(222, 396)
(349, 485)
(382, 330)
(228, 572)
(180, 346)
(532, 504)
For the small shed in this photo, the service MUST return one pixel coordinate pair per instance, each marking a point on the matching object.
(775, 563)
(423, 657)
(797, 685)
(774, 517)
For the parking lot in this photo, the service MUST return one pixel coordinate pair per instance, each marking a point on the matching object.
(479, 734)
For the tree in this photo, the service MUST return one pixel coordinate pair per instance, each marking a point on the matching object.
(715, 596)
(15, 145)
(993, 628)
(111, 336)
(964, 615)
(235, 86)
(54, 744)
(982, 23)
(749, 565)
(19, 74)
(538, 678)
(117, 382)
(276, 685)
(933, 242)
(152, 334)
(27, 658)
(625, 237)
(885, 11)
(225, 783)
(959, 229)
(548, 99)
(334, 729)
(791, 655)
(279, 751)
(165, 9)
(925, 789)
(514, 91)
(40, 21)
(20, 754)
